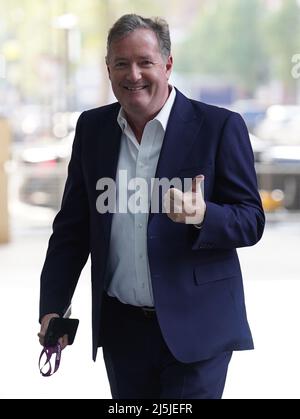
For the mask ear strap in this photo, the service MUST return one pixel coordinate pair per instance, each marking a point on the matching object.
(48, 352)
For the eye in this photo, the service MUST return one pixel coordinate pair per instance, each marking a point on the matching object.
(120, 64)
(146, 63)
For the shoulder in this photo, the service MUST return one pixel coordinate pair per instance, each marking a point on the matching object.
(218, 118)
(100, 113)
(207, 109)
(98, 120)
(214, 114)
(211, 114)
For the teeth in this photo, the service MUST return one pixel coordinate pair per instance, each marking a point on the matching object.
(135, 88)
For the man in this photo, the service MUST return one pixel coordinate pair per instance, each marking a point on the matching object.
(167, 295)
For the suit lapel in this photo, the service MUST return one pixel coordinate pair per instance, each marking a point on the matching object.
(182, 130)
(107, 158)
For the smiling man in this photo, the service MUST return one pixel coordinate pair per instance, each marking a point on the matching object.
(167, 294)
(139, 71)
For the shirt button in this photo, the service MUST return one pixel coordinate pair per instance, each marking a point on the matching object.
(141, 256)
(140, 225)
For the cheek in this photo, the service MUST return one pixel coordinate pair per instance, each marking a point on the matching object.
(114, 78)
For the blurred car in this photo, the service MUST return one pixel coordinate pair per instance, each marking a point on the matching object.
(281, 125)
(252, 111)
(279, 172)
(272, 199)
(43, 171)
(259, 147)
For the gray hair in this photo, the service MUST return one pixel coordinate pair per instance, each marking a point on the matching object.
(130, 22)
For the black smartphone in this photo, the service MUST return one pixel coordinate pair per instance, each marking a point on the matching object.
(58, 327)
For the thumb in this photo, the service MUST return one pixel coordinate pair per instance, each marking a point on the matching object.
(198, 184)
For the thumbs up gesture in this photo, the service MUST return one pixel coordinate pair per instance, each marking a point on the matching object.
(186, 207)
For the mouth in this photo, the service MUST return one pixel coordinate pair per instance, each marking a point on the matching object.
(135, 88)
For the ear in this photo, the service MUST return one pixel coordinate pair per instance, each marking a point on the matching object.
(169, 66)
(107, 66)
(108, 71)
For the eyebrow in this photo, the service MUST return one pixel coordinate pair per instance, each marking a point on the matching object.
(142, 57)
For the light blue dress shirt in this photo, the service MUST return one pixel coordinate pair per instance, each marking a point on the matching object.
(128, 265)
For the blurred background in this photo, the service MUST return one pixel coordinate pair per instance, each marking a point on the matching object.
(240, 54)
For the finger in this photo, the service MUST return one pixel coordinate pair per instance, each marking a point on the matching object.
(176, 217)
(44, 326)
(41, 337)
(63, 341)
(178, 207)
(45, 322)
(173, 200)
(168, 201)
(197, 183)
(176, 197)
(175, 193)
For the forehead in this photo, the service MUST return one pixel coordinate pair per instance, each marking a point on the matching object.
(141, 42)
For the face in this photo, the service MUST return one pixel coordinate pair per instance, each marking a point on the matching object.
(139, 74)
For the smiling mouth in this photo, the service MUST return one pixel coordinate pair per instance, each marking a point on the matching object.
(134, 89)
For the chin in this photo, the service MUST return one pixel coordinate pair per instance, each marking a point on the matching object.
(138, 104)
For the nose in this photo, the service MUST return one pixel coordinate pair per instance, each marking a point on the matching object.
(134, 73)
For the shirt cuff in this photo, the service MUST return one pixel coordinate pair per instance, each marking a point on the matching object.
(198, 226)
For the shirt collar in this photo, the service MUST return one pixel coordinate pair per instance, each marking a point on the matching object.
(162, 116)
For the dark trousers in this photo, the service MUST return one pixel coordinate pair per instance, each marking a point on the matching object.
(140, 366)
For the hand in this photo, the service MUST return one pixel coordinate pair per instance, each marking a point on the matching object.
(44, 326)
(186, 207)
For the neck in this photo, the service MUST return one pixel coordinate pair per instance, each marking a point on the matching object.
(138, 122)
(137, 127)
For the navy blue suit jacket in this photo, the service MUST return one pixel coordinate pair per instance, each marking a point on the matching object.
(196, 276)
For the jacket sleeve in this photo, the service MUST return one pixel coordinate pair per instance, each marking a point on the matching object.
(234, 216)
(68, 247)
